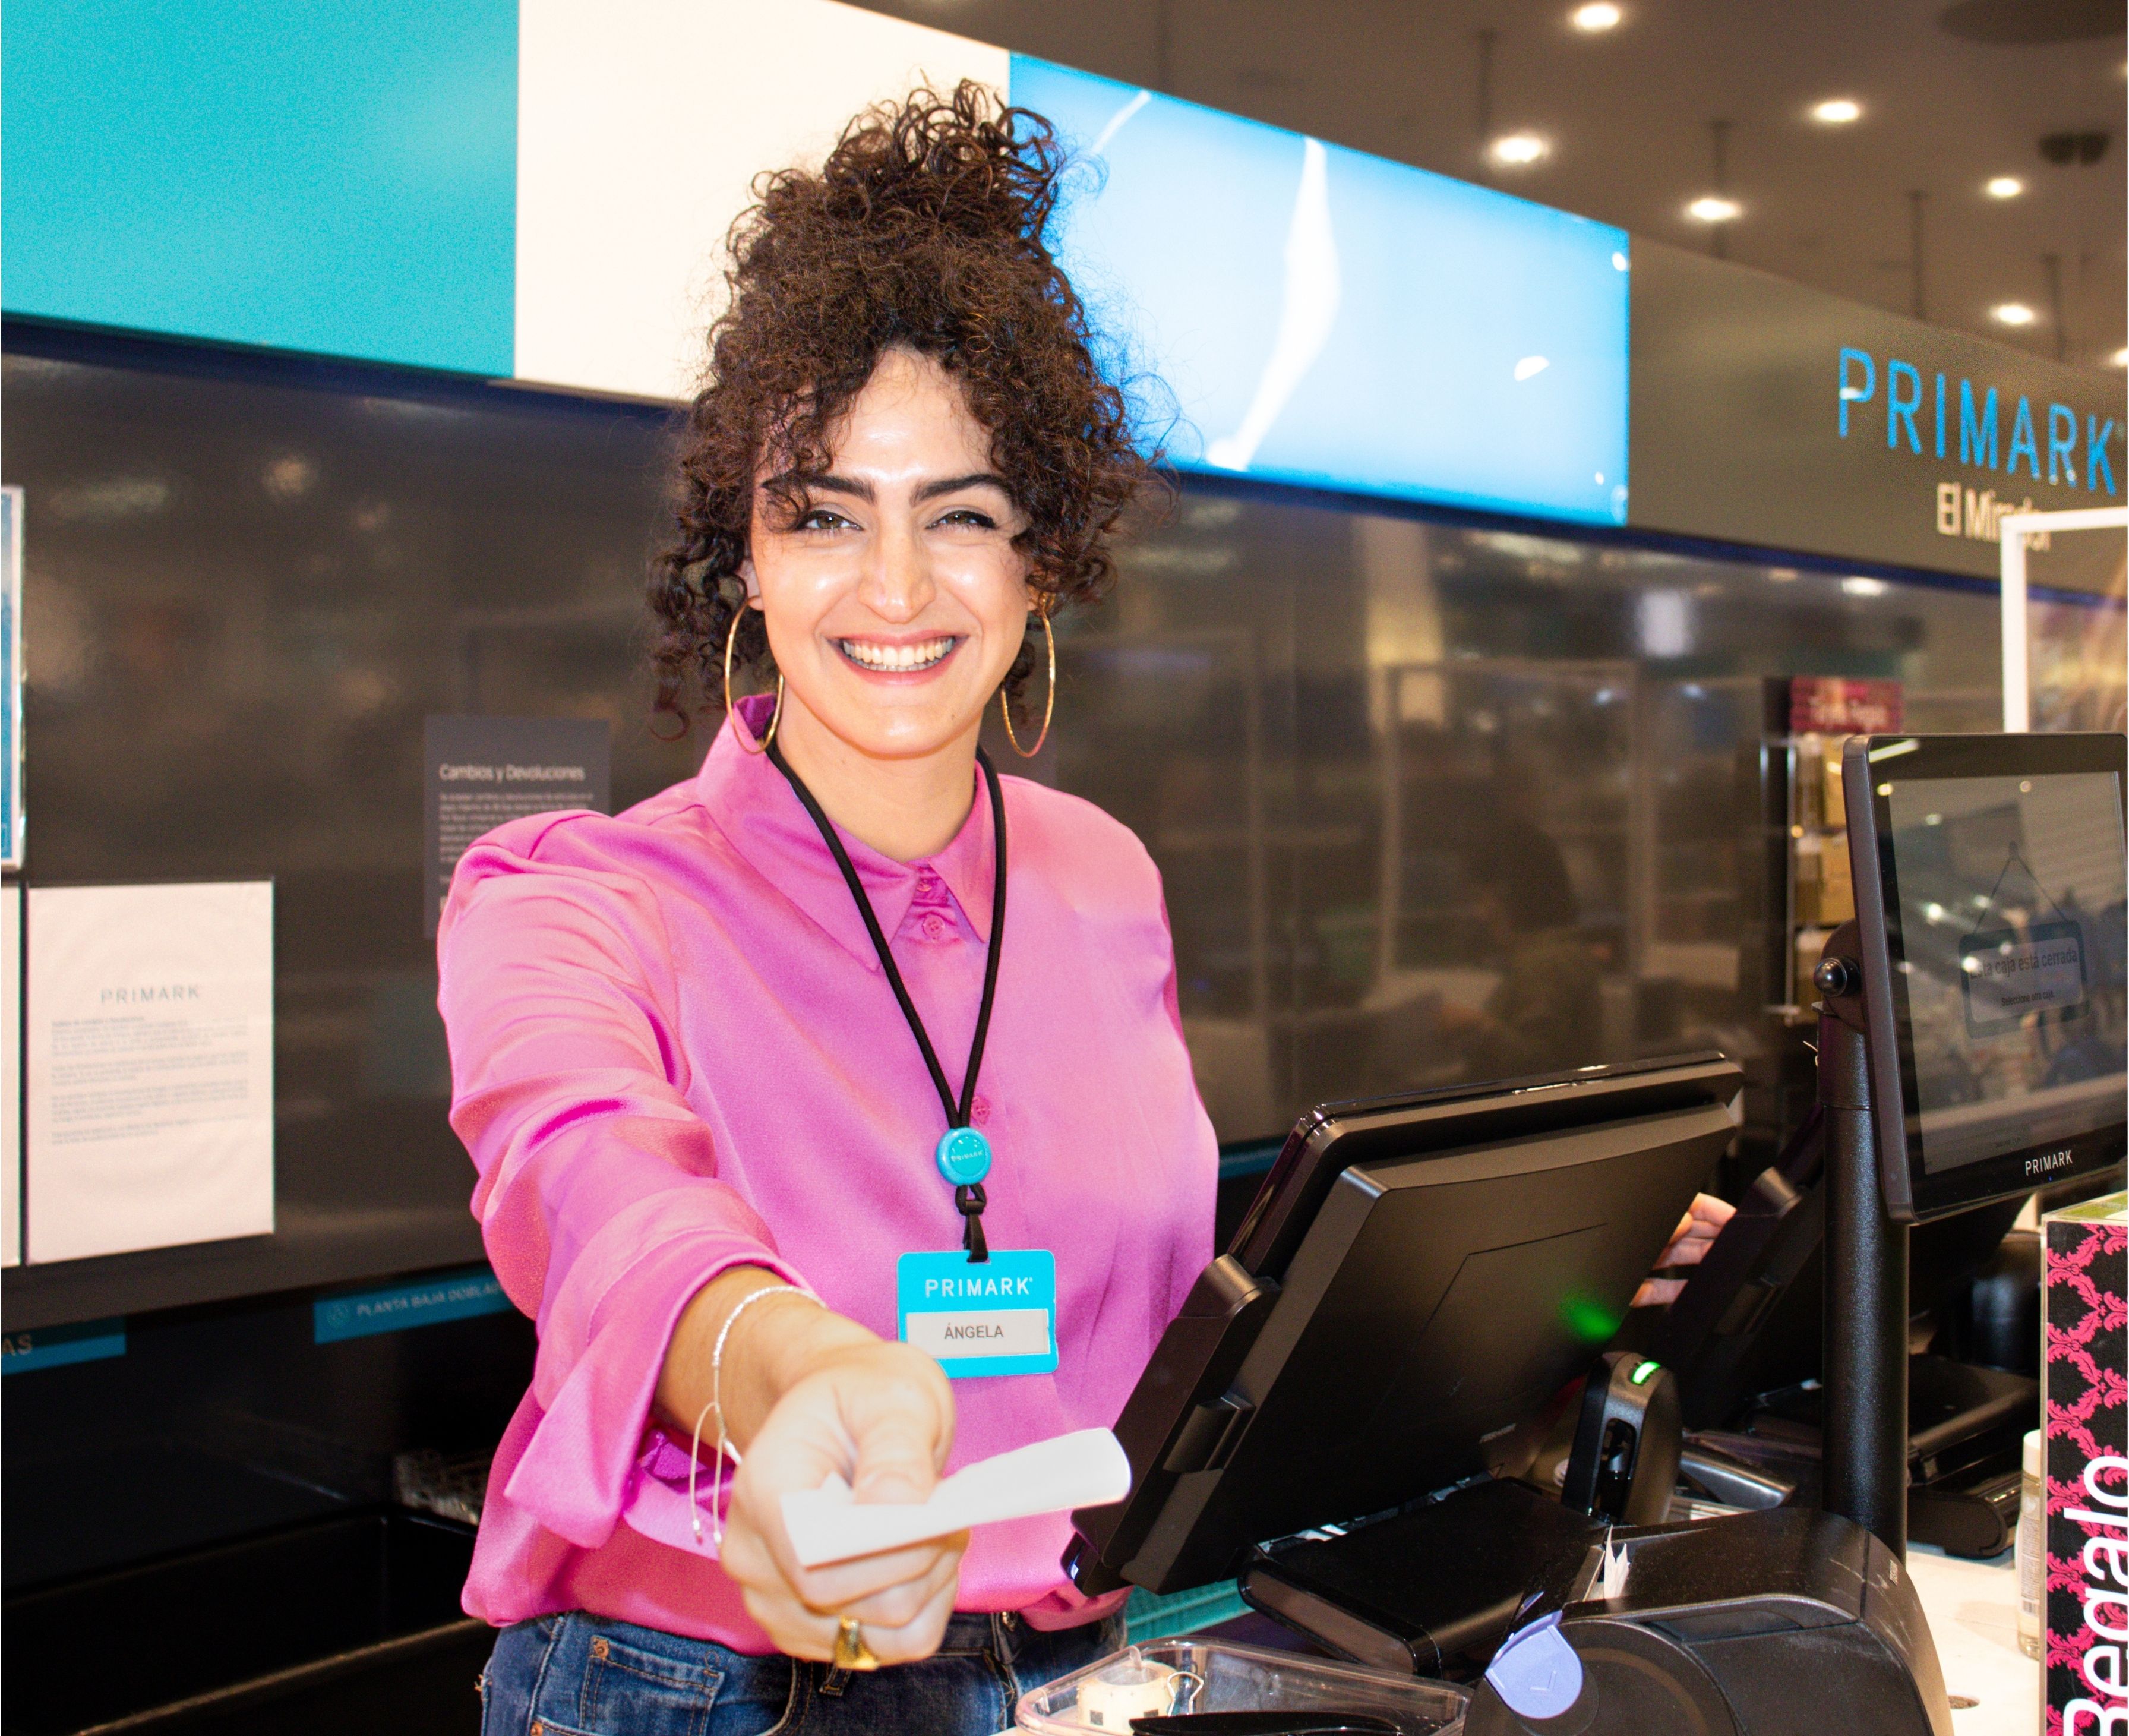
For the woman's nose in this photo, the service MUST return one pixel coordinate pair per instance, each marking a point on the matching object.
(897, 582)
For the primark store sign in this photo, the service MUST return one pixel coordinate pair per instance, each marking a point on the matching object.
(1921, 421)
(1768, 413)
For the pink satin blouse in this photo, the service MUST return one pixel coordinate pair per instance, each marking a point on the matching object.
(673, 1050)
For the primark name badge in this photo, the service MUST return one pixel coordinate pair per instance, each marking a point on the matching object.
(997, 1318)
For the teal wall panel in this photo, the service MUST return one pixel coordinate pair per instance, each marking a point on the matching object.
(312, 176)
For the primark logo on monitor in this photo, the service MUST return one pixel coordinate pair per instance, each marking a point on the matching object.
(2049, 1162)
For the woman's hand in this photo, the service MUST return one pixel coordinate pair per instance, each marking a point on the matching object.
(808, 1392)
(882, 1416)
(1689, 1242)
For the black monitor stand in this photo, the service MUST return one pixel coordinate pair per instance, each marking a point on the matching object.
(1750, 1349)
(1865, 1432)
(1776, 1622)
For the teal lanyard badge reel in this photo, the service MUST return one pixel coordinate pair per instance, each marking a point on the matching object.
(993, 1316)
(980, 1310)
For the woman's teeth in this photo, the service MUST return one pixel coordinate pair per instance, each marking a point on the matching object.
(895, 657)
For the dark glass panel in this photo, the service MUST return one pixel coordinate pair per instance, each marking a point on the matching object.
(1431, 800)
(1435, 801)
(241, 597)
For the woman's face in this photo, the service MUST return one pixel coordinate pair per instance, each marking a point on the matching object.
(894, 598)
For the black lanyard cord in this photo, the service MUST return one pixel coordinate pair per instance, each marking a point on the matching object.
(968, 1201)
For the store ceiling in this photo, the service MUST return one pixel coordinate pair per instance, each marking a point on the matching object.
(1951, 96)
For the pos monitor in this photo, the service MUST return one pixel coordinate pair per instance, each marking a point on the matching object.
(1990, 895)
(1419, 1280)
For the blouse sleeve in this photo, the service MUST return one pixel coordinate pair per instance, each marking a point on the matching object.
(598, 1196)
(1196, 1254)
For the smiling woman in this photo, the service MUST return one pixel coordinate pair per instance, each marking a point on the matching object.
(708, 1053)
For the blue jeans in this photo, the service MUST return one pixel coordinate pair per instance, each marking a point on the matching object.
(578, 1675)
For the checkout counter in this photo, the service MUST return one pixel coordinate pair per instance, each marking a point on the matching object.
(1389, 1410)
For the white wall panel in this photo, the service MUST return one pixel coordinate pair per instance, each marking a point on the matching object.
(641, 124)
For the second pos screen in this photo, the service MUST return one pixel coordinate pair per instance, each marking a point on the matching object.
(2012, 894)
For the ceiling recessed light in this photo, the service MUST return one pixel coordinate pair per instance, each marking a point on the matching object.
(1517, 148)
(2119, 359)
(2012, 313)
(1837, 112)
(2004, 187)
(1599, 15)
(1714, 209)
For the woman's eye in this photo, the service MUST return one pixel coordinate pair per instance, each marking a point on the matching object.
(971, 517)
(820, 519)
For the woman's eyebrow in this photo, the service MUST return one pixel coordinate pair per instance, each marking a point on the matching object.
(954, 484)
(819, 482)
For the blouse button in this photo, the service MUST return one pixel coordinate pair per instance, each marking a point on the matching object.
(979, 1111)
(933, 928)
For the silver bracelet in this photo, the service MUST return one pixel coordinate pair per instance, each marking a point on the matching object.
(725, 1448)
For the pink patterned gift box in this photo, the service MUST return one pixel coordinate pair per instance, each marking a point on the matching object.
(2087, 1470)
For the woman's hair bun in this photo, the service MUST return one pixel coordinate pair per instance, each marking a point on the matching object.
(964, 162)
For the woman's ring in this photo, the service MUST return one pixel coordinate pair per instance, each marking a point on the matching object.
(851, 1652)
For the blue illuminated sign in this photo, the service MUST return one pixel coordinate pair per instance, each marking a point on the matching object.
(1326, 318)
(336, 178)
(1975, 422)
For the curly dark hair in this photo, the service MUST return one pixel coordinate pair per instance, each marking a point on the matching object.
(924, 230)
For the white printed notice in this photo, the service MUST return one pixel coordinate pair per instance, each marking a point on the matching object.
(483, 771)
(2009, 975)
(150, 1066)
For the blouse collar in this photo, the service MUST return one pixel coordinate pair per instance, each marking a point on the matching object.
(748, 800)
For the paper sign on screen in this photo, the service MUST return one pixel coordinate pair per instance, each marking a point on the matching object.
(149, 1075)
(2008, 975)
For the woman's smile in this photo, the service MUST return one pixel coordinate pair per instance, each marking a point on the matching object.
(899, 659)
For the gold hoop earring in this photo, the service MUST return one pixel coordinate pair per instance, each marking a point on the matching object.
(1048, 705)
(775, 716)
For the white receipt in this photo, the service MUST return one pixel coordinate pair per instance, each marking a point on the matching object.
(1085, 1469)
